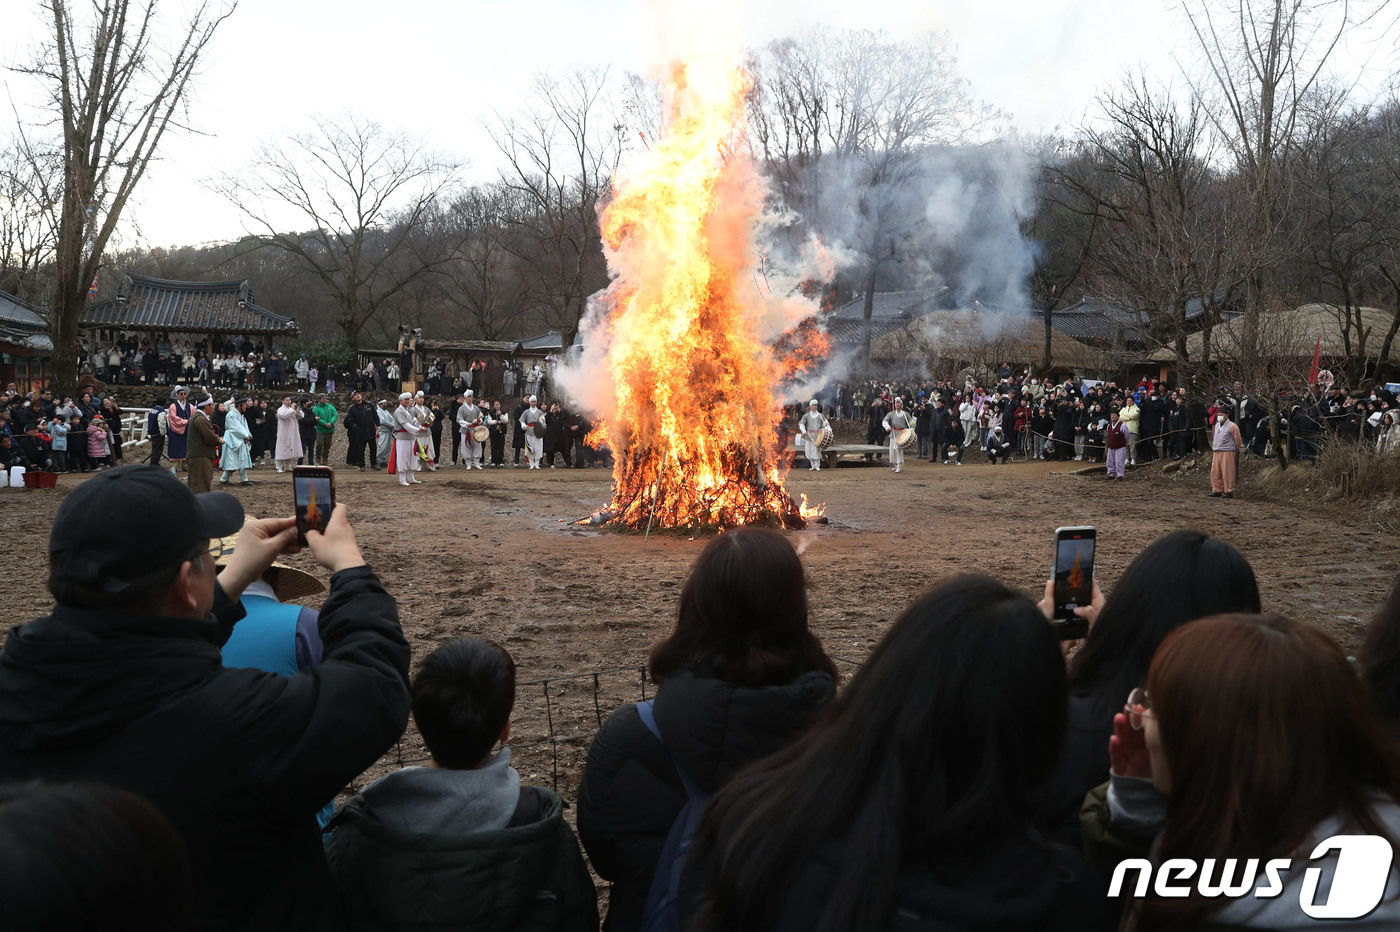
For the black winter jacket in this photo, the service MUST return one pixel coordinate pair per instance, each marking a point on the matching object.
(1082, 765)
(238, 760)
(361, 421)
(526, 876)
(1012, 885)
(631, 794)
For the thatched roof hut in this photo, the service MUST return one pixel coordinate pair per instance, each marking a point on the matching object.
(988, 338)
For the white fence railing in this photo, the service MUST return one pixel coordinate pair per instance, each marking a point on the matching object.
(133, 427)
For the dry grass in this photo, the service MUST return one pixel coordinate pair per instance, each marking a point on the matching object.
(1343, 471)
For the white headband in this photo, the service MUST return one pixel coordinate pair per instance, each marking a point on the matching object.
(405, 395)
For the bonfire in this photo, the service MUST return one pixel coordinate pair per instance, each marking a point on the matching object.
(688, 326)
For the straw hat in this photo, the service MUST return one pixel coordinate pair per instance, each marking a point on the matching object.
(287, 582)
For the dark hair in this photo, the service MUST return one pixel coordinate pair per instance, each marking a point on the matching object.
(743, 615)
(1178, 578)
(462, 697)
(1380, 655)
(935, 750)
(86, 856)
(1268, 732)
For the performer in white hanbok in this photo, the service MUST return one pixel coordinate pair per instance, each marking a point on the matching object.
(238, 441)
(812, 426)
(469, 416)
(288, 449)
(406, 430)
(386, 431)
(534, 446)
(897, 419)
(426, 453)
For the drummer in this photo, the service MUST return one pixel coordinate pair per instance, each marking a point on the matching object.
(812, 426)
(531, 419)
(897, 420)
(468, 417)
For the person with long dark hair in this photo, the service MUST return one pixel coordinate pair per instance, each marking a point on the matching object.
(739, 677)
(1254, 739)
(1178, 578)
(1380, 656)
(910, 803)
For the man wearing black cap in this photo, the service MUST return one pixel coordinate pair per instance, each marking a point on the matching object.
(123, 685)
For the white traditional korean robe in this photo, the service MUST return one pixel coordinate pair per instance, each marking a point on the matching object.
(468, 416)
(812, 425)
(289, 448)
(534, 446)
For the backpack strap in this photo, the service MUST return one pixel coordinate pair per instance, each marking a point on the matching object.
(647, 713)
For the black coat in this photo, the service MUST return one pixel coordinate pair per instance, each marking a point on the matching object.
(238, 760)
(361, 421)
(1013, 884)
(631, 794)
(1082, 765)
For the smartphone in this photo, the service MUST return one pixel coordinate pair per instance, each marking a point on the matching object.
(1074, 580)
(314, 487)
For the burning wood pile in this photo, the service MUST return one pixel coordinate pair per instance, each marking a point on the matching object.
(689, 332)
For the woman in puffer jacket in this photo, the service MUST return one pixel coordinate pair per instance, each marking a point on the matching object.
(739, 678)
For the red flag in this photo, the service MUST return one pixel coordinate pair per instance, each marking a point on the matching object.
(1317, 358)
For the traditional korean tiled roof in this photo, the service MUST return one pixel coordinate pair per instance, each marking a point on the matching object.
(905, 305)
(20, 315)
(199, 307)
(22, 325)
(850, 332)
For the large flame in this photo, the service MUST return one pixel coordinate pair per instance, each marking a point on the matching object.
(695, 376)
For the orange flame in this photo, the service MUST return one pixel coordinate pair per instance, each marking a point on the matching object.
(695, 381)
(313, 511)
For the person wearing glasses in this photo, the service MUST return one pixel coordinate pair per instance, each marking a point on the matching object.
(124, 684)
(1253, 739)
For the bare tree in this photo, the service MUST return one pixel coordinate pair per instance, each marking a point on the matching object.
(560, 155)
(1263, 63)
(1175, 234)
(485, 280)
(843, 120)
(30, 192)
(113, 87)
(362, 195)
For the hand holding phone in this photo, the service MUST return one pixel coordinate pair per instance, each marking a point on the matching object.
(1073, 580)
(314, 491)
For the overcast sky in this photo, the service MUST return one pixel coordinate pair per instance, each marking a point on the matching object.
(437, 67)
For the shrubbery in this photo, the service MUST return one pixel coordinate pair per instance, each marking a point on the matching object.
(1341, 471)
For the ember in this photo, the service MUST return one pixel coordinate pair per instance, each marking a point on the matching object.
(695, 379)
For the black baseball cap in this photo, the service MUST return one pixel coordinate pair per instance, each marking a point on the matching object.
(123, 524)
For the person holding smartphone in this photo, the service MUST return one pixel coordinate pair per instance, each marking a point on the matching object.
(123, 684)
(1271, 709)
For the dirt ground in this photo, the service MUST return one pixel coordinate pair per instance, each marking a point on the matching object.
(495, 553)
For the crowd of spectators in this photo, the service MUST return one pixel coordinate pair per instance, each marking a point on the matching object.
(1071, 420)
(974, 773)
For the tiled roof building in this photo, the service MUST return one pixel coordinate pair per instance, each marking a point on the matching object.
(154, 304)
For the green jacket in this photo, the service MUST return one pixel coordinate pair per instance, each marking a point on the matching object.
(515, 879)
(326, 416)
